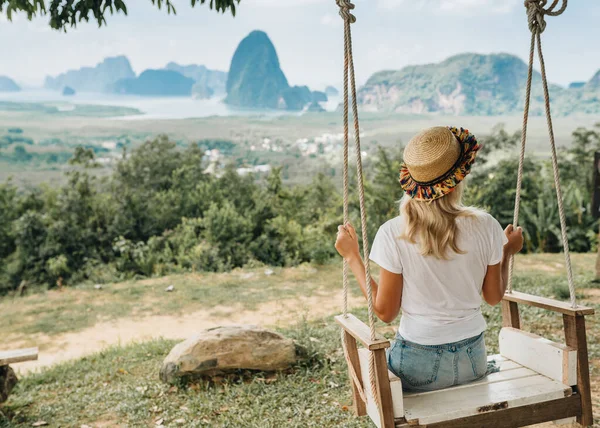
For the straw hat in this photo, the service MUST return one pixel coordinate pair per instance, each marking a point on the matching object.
(436, 160)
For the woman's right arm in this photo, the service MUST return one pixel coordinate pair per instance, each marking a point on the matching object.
(496, 278)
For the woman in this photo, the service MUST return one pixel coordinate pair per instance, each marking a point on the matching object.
(437, 259)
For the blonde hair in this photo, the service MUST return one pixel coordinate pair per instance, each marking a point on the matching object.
(432, 224)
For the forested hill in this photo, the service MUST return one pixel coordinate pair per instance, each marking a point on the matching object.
(472, 84)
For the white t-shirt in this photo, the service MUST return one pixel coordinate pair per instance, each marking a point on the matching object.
(441, 299)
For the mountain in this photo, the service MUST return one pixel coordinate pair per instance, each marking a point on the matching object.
(331, 91)
(462, 84)
(473, 84)
(201, 91)
(155, 83)
(215, 80)
(93, 79)
(68, 91)
(594, 82)
(8, 85)
(255, 77)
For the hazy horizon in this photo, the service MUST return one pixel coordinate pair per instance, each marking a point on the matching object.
(307, 34)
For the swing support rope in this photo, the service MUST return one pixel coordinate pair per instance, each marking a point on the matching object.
(350, 85)
(537, 24)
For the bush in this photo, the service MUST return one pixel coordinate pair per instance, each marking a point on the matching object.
(160, 212)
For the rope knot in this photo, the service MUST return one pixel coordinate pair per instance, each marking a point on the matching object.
(536, 13)
(345, 7)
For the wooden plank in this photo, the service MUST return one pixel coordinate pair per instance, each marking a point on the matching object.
(554, 360)
(510, 314)
(508, 370)
(476, 399)
(386, 406)
(395, 390)
(18, 356)
(566, 421)
(576, 337)
(361, 332)
(545, 303)
(501, 376)
(359, 405)
(513, 417)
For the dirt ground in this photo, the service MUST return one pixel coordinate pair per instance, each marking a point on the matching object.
(278, 313)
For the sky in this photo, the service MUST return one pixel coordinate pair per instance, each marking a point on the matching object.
(308, 36)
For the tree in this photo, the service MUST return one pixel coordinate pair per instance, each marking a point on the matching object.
(65, 13)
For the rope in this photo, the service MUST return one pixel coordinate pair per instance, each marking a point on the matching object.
(345, 8)
(346, 133)
(522, 155)
(537, 25)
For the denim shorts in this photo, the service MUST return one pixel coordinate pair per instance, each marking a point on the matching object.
(431, 367)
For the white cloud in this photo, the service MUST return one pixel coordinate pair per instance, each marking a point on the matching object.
(285, 3)
(389, 4)
(331, 20)
(452, 6)
(480, 6)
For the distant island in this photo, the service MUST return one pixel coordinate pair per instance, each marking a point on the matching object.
(8, 85)
(256, 80)
(464, 84)
(472, 84)
(93, 79)
(115, 75)
(205, 78)
(155, 83)
(68, 91)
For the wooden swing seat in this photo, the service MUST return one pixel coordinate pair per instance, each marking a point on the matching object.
(514, 387)
(538, 381)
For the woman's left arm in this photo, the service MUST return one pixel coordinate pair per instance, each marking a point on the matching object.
(387, 295)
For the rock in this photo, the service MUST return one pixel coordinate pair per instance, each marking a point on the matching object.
(8, 380)
(295, 98)
(8, 85)
(255, 77)
(163, 83)
(331, 91)
(98, 286)
(223, 349)
(213, 79)
(93, 79)
(170, 288)
(315, 107)
(319, 97)
(269, 272)
(201, 91)
(68, 91)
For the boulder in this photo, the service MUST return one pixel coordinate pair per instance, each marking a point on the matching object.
(8, 380)
(315, 107)
(223, 349)
(68, 91)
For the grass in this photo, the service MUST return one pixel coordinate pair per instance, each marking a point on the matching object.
(120, 386)
(75, 308)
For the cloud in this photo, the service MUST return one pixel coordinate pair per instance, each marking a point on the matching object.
(452, 6)
(389, 4)
(480, 6)
(331, 20)
(286, 3)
